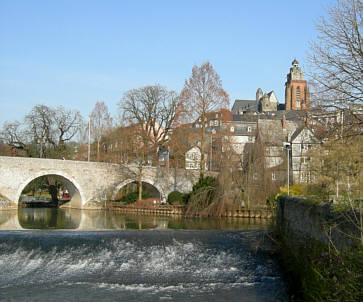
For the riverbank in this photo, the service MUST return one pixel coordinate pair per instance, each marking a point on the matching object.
(261, 213)
(319, 250)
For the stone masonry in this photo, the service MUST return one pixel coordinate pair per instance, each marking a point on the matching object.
(89, 183)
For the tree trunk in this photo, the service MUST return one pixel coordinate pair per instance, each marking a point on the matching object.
(98, 150)
(202, 159)
(53, 192)
(140, 179)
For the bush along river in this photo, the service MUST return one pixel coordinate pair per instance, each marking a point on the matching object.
(72, 255)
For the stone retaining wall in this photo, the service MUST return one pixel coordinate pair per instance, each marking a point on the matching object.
(180, 210)
(302, 223)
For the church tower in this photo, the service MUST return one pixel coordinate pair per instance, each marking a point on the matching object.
(297, 96)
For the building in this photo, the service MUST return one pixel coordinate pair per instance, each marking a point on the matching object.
(297, 95)
(303, 142)
(193, 159)
(262, 103)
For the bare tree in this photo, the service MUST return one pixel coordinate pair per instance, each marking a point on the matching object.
(101, 123)
(151, 111)
(201, 94)
(41, 127)
(16, 137)
(336, 58)
(67, 124)
(52, 128)
(44, 131)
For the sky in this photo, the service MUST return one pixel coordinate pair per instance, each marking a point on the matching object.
(75, 53)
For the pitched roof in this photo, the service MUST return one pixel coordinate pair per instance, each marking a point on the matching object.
(244, 105)
(270, 131)
(300, 130)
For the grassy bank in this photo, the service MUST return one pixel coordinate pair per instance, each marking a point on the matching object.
(318, 273)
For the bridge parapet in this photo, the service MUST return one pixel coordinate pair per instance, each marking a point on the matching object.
(89, 183)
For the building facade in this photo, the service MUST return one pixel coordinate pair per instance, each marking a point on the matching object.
(297, 95)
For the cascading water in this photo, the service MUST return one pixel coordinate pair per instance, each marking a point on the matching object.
(109, 256)
(134, 265)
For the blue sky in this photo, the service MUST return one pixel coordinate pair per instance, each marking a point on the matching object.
(75, 53)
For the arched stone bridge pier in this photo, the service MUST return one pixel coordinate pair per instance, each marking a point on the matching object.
(89, 183)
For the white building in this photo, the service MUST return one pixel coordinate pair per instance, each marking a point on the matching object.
(303, 142)
(193, 159)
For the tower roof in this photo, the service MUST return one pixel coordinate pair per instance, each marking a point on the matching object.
(295, 62)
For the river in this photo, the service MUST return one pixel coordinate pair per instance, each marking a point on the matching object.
(70, 255)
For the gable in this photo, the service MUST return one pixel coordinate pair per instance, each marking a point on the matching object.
(272, 97)
(303, 135)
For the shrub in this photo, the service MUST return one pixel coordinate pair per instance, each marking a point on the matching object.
(133, 196)
(175, 196)
(202, 195)
(185, 198)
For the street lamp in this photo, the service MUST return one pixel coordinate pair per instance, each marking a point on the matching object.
(287, 146)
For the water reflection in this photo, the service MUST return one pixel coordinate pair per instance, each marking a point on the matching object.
(50, 218)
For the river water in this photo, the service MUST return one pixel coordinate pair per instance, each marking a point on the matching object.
(67, 255)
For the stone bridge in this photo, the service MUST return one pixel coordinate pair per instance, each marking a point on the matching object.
(89, 183)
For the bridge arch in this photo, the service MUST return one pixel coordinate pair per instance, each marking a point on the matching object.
(130, 180)
(74, 189)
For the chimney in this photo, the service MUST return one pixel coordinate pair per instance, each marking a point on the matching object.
(284, 122)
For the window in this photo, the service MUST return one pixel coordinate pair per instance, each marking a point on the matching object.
(298, 97)
(232, 129)
(305, 147)
(197, 125)
(273, 176)
(216, 115)
(211, 123)
(216, 123)
(249, 129)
